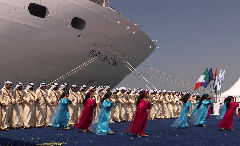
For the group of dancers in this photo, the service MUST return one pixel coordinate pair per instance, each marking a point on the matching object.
(85, 120)
(62, 108)
(31, 107)
(137, 126)
(202, 111)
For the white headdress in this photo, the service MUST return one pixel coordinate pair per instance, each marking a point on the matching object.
(114, 90)
(133, 91)
(18, 85)
(122, 88)
(30, 85)
(107, 87)
(74, 86)
(83, 86)
(63, 86)
(100, 88)
(7, 83)
(54, 85)
(92, 87)
(42, 85)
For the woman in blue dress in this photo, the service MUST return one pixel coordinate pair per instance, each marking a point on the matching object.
(181, 121)
(103, 122)
(196, 105)
(62, 115)
(200, 116)
(223, 110)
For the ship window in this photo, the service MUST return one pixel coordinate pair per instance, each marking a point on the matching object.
(78, 23)
(37, 10)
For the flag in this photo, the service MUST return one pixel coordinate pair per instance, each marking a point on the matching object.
(201, 79)
(215, 74)
(210, 75)
(215, 81)
(215, 84)
(206, 81)
(220, 79)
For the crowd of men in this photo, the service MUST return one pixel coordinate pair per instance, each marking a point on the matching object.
(27, 108)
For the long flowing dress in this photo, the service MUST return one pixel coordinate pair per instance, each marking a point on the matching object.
(223, 110)
(200, 116)
(195, 107)
(85, 120)
(140, 119)
(209, 111)
(228, 119)
(103, 122)
(62, 115)
(181, 121)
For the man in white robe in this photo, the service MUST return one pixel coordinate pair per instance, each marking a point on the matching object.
(63, 87)
(113, 98)
(73, 108)
(161, 105)
(29, 118)
(6, 102)
(117, 111)
(132, 105)
(81, 97)
(41, 107)
(52, 103)
(101, 92)
(17, 108)
(98, 102)
(159, 108)
(180, 104)
(122, 97)
(128, 110)
(153, 110)
(165, 105)
(175, 105)
(170, 101)
(193, 102)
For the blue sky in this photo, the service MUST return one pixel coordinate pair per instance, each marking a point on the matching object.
(192, 36)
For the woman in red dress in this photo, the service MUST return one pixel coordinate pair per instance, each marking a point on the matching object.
(141, 116)
(228, 119)
(85, 120)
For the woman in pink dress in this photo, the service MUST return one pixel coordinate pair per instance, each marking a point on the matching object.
(228, 119)
(141, 116)
(85, 120)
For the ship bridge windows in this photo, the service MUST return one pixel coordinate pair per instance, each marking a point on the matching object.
(104, 3)
(37, 10)
(78, 23)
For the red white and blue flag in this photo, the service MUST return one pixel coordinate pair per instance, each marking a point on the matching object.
(203, 78)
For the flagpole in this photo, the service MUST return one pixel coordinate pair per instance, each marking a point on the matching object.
(210, 88)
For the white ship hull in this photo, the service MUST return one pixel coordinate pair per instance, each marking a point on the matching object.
(43, 49)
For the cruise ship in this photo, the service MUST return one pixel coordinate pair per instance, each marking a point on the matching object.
(74, 41)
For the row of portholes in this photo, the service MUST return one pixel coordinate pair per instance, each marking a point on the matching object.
(42, 11)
